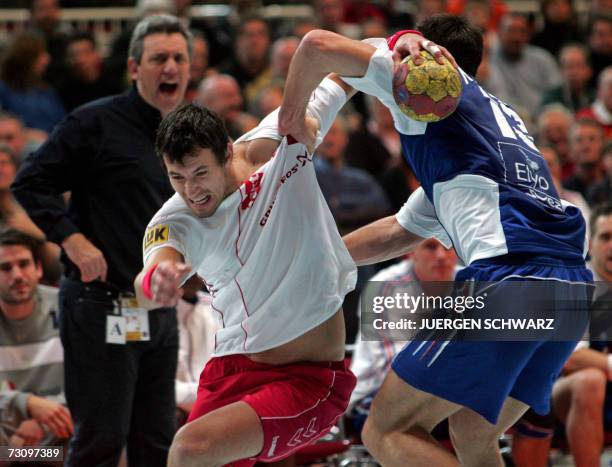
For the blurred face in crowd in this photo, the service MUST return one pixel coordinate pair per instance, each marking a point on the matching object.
(551, 158)
(478, 13)
(46, 13)
(607, 162)
(575, 67)
(374, 27)
(586, 145)
(604, 88)
(555, 128)
(601, 247)
(11, 134)
(221, 95)
(85, 60)
(270, 98)
(558, 11)
(253, 42)
(199, 59)
(429, 8)
(600, 39)
(334, 143)
(40, 64)
(282, 53)
(433, 262)
(19, 274)
(513, 35)
(163, 72)
(201, 181)
(7, 171)
(329, 12)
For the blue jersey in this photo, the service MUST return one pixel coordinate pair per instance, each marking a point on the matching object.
(487, 184)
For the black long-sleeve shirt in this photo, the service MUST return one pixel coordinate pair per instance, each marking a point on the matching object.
(103, 153)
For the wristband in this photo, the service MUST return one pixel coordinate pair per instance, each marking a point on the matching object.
(391, 41)
(146, 282)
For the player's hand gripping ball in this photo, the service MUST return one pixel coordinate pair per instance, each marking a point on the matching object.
(428, 92)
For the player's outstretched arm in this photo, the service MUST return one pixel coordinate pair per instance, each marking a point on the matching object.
(159, 283)
(319, 54)
(379, 241)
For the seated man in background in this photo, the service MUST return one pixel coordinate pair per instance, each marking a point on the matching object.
(579, 396)
(32, 410)
(430, 262)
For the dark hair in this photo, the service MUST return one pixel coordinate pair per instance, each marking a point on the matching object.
(17, 69)
(189, 128)
(14, 237)
(81, 36)
(154, 24)
(462, 39)
(603, 209)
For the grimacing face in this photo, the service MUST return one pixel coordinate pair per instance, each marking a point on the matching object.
(19, 274)
(163, 72)
(200, 180)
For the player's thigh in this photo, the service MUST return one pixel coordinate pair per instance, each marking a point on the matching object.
(228, 433)
(399, 406)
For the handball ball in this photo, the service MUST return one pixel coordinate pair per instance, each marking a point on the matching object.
(428, 92)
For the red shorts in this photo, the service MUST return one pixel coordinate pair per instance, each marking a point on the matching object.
(296, 403)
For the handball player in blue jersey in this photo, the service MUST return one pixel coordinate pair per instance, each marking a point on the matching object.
(486, 191)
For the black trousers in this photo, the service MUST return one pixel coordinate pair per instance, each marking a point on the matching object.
(118, 395)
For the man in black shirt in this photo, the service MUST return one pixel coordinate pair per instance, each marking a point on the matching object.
(120, 362)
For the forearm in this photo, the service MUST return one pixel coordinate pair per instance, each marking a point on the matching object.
(331, 53)
(379, 241)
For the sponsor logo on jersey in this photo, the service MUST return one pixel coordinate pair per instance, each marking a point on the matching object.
(251, 190)
(156, 235)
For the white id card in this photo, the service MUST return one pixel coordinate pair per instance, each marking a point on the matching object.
(136, 320)
(115, 329)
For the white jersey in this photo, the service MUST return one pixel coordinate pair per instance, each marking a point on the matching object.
(271, 255)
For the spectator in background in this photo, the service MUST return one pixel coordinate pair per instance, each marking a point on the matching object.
(22, 88)
(199, 65)
(354, 196)
(579, 395)
(85, 79)
(251, 58)
(15, 136)
(560, 26)
(602, 192)
(329, 14)
(373, 27)
(430, 262)
(600, 42)
(197, 328)
(586, 147)
(601, 109)
(45, 21)
(554, 165)
(270, 98)
(221, 94)
(427, 8)
(575, 92)
(13, 216)
(520, 73)
(32, 403)
(553, 129)
(119, 386)
(497, 10)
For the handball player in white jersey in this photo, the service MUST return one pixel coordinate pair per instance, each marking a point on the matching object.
(250, 220)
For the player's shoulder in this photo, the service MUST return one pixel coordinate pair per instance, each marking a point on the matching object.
(173, 210)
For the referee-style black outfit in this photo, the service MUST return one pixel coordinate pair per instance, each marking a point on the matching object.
(103, 154)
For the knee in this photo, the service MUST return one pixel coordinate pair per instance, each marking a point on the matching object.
(589, 389)
(189, 450)
(371, 436)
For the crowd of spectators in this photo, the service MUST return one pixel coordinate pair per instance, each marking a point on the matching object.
(554, 68)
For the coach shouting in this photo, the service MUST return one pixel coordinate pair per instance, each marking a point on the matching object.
(120, 361)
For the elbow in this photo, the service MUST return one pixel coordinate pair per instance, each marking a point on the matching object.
(317, 42)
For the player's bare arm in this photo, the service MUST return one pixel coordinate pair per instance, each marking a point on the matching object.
(159, 282)
(379, 241)
(586, 358)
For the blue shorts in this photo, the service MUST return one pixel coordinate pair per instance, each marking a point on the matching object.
(482, 374)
